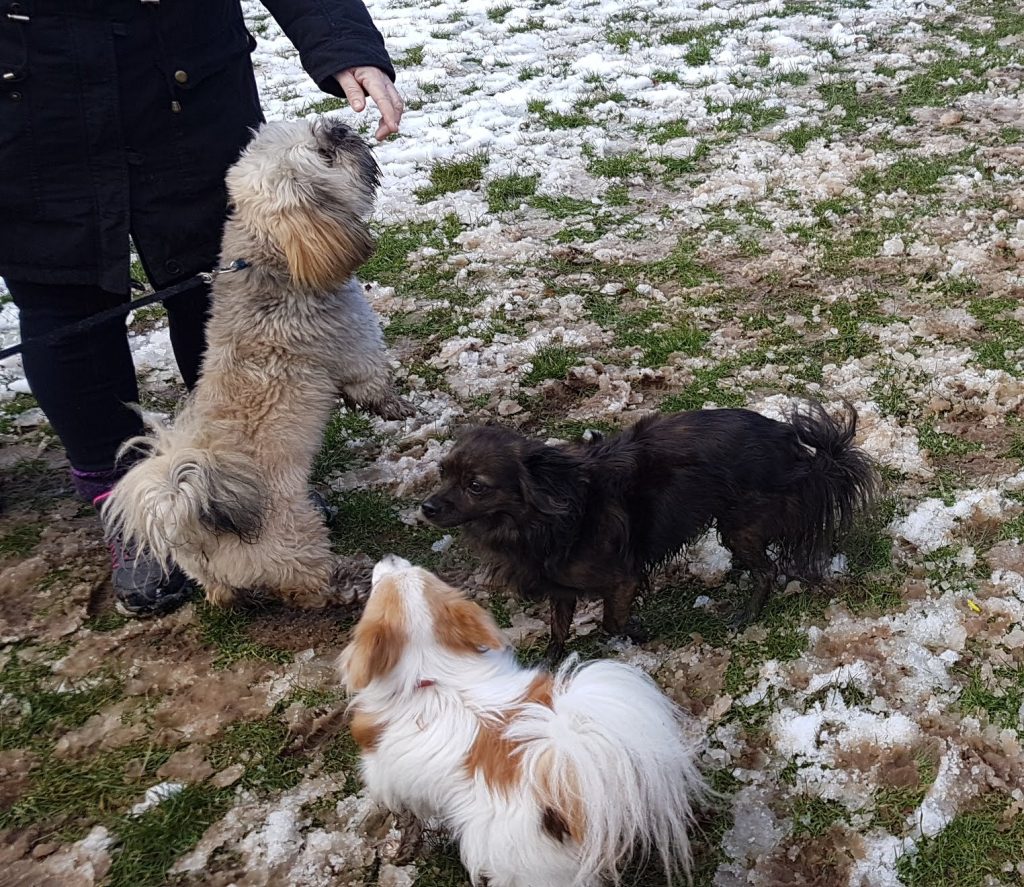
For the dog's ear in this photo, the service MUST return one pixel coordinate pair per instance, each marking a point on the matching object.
(374, 651)
(321, 250)
(551, 481)
(379, 638)
(460, 624)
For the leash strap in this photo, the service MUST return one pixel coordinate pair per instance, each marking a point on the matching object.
(80, 326)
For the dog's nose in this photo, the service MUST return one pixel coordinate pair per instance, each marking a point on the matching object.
(430, 509)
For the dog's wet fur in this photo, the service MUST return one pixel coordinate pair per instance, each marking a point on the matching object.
(594, 519)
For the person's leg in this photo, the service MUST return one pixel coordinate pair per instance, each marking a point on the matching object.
(186, 321)
(85, 385)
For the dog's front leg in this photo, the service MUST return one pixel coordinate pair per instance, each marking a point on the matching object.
(562, 609)
(412, 837)
(763, 580)
(377, 396)
(618, 604)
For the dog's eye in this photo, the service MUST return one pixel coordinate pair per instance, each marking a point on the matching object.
(476, 488)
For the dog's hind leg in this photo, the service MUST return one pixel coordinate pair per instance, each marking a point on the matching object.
(562, 609)
(749, 547)
(295, 560)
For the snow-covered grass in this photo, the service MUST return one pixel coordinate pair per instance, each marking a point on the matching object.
(595, 210)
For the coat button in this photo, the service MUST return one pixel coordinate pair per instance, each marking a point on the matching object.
(172, 267)
(181, 76)
(15, 96)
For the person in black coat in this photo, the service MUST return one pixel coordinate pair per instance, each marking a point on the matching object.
(118, 120)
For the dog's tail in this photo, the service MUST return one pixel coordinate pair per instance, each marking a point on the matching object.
(178, 493)
(843, 482)
(614, 767)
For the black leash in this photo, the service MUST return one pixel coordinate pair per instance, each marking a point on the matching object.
(55, 336)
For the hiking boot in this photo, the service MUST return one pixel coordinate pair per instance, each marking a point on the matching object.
(142, 587)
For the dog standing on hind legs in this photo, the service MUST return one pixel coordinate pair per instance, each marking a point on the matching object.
(594, 520)
(223, 493)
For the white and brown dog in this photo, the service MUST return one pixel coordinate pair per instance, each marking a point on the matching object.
(545, 780)
(224, 492)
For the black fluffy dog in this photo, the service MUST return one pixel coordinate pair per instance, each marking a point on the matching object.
(594, 519)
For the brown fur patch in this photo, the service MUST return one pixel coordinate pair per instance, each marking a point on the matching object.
(540, 689)
(553, 823)
(459, 624)
(366, 731)
(561, 798)
(493, 757)
(320, 251)
(379, 638)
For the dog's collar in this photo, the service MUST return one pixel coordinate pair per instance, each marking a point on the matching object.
(426, 682)
(230, 268)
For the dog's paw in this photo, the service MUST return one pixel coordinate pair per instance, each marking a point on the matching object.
(394, 409)
(351, 578)
(636, 632)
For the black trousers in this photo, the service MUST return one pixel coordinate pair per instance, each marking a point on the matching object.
(85, 383)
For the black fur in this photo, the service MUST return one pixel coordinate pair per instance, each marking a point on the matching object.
(594, 519)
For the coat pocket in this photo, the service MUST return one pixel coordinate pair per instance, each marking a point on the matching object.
(191, 66)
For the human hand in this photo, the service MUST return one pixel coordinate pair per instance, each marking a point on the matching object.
(357, 83)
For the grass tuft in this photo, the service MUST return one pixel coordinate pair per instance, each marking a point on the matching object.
(453, 175)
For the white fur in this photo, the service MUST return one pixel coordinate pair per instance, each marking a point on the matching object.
(610, 731)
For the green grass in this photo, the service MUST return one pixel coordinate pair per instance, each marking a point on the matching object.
(998, 698)
(368, 523)
(705, 389)
(19, 541)
(341, 755)
(672, 129)
(336, 455)
(1003, 332)
(551, 362)
(261, 746)
(66, 797)
(508, 192)
(448, 176)
(389, 264)
(940, 444)
(894, 803)
(631, 163)
(915, 175)
(226, 630)
(969, 852)
(44, 711)
(413, 56)
(814, 816)
(498, 13)
(647, 330)
(748, 115)
(561, 207)
(556, 119)
(802, 135)
(324, 106)
(149, 844)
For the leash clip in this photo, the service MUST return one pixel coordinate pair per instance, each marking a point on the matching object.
(237, 265)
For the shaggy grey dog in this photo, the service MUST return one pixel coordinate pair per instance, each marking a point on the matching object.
(224, 492)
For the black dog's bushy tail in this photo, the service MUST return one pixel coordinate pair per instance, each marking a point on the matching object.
(843, 483)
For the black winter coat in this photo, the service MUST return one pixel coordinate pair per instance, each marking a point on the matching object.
(122, 116)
